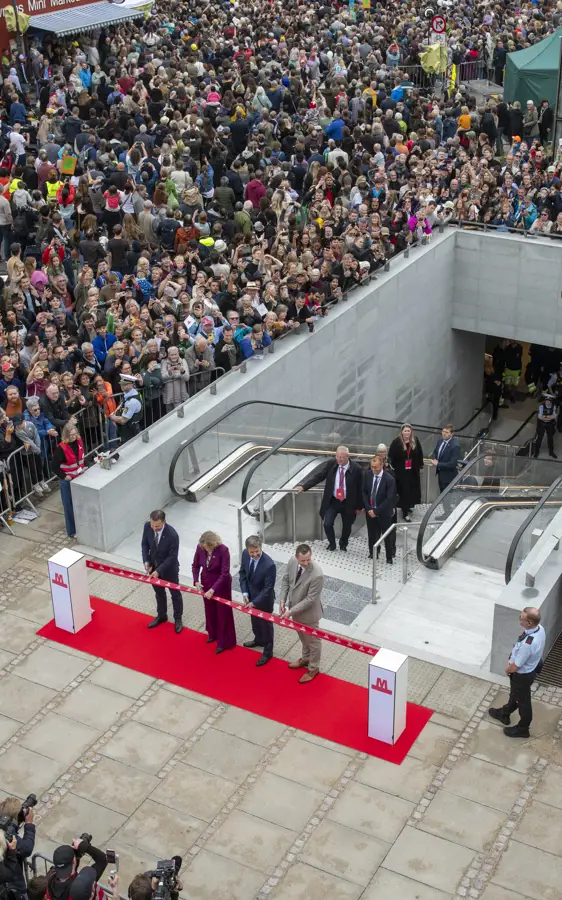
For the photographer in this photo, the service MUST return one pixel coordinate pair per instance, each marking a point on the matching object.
(17, 847)
(161, 884)
(64, 873)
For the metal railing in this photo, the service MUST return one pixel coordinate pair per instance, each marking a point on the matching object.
(527, 525)
(31, 870)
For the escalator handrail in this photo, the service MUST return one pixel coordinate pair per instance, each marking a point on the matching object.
(363, 420)
(511, 439)
(523, 528)
(487, 403)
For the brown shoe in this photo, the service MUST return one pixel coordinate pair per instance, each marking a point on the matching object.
(308, 676)
(298, 664)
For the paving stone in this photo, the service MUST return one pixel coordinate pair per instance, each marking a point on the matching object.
(344, 852)
(142, 747)
(251, 841)
(210, 875)
(5, 658)
(282, 802)
(74, 814)
(540, 827)
(448, 721)
(172, 714)
(352, 666)
(550, 788)
(489, 743)
(16, 633)
(108, 587)
(120, 679)
(285, 642)
(304, 882)
(22, 768)
(495, 892)
(21, 699)
(388, 885)
(59, 738)
(485, 783)
(377, 814)
(341, 616)
(153, 829)
(545, 717)
(250, 727)
(408, 781)
(52, 668)
(192, 695)
(8, 727)
(32, 604)
(116, 786)
(422, 676)
(462, 821)
(456, 694)
(195, 792)
(308, 764)
(322, 742)
(530, 872)
(429, 859)
(434, 743)
(94, 706)
(224, 755)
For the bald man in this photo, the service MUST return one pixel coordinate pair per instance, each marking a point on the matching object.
(525, 663)
(342, 494)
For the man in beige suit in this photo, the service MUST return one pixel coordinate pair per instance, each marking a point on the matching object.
(301, 589)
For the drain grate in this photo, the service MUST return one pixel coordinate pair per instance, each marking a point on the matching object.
(552, 669)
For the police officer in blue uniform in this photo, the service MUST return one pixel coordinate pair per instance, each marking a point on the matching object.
(525, 663)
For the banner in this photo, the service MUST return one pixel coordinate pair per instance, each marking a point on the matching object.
(269, 617)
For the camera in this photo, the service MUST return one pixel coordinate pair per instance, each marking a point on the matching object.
(9, 826)
(166, 875)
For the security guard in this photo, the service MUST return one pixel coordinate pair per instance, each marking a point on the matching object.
(127, 416)
(525, 663)
(546, 424)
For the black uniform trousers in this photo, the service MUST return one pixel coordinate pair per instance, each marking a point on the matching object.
(263, 634)
(376, 527)
(543, 428)
(162, 600)
(335, 509)
(520, 697)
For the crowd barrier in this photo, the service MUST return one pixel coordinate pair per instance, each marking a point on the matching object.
(32, 869)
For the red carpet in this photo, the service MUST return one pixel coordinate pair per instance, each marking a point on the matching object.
(327, 707)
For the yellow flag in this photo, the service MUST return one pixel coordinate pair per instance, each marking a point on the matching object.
(10, 19)
(434, 58)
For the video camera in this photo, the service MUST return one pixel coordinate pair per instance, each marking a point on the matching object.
(9, 826)
(166, 874)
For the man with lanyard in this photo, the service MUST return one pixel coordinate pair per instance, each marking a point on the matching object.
(525, 663)
(128, 415)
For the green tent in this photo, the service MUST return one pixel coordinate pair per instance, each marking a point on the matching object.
(532, 74)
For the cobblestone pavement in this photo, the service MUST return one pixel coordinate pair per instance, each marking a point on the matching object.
(256, 809)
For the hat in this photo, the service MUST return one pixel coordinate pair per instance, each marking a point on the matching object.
(7, 366)
(529, 102)
(81, 888)
(449, 204)
(258, 226)
(127, 379)
(164, 120)
(63, 860)
(551, 169)
(207, 320)
(251, 286)
(220, 246)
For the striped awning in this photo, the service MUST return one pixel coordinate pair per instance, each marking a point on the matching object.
(86, 18)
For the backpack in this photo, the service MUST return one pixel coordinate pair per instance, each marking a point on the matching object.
(20, 225)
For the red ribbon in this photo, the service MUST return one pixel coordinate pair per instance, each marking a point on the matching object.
(269, 617)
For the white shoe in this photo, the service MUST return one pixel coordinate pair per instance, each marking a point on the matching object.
(38, 490)
(46, 488)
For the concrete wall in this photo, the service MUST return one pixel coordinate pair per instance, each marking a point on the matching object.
(508, 285)
(389, 352)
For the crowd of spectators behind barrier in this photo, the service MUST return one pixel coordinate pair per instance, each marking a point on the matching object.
(237, 169)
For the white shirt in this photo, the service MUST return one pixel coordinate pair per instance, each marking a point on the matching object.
(18, 139)
(337, 481)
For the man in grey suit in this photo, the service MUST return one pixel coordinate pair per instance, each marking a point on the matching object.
(301, 590)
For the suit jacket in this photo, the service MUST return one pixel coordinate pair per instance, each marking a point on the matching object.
(164, 557)
(260, 588)
(353, 484)
(447, 463)
(386, 494)
(303, 598)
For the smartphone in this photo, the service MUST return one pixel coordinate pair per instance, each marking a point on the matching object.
(112, 859)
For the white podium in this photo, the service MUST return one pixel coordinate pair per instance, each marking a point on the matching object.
(69, 590)
(388, 691)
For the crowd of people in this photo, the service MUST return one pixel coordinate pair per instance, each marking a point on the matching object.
(177, 194)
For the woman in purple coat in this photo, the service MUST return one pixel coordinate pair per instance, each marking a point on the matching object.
(211, 574)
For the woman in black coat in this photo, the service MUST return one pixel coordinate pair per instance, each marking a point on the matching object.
(405, 455)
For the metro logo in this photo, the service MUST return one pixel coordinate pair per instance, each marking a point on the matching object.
(59, 580)
(382, 686)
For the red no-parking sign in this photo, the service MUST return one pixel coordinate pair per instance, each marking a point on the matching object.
(438, 24)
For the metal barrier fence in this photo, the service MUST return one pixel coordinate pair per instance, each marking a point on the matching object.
(31, 870)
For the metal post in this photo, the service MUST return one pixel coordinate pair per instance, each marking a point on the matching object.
(404, 530)
(374, 583)
(557, 135)
(262, 516)
(293, 497)
(240, 539)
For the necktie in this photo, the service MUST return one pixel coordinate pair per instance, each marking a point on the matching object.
(341, 484)
(441, 448)
(156, 538)
(252, 567)
(299, 573)
(375, 489)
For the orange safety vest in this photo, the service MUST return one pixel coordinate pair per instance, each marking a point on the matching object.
(72, 466)
(108, 404)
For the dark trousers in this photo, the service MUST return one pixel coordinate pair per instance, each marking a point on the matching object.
(375, 528)
(338, 508)
(543, 428)
(162, 602)
(520, 697)
(263, 633)
(448, 504)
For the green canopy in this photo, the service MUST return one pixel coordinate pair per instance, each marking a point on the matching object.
(532, 74)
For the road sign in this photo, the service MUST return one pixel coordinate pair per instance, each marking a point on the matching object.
(438, 24)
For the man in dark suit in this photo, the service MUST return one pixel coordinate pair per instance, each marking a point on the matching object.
(160, 548)
(257, 583)
(446, 456)
(342, 494)
(379, 500)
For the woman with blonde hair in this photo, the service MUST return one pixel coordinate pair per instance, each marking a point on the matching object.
(211, 575)
(405, 455)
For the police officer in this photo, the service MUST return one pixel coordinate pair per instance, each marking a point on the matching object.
(127, 417)
(525, 663)
(546, 424)
(554, 386)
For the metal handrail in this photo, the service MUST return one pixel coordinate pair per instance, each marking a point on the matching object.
(525, 525)
(259, 495)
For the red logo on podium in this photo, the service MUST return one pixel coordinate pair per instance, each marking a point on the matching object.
(60, 582)
(381, 686)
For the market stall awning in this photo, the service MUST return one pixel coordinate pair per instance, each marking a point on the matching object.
(87, 18)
